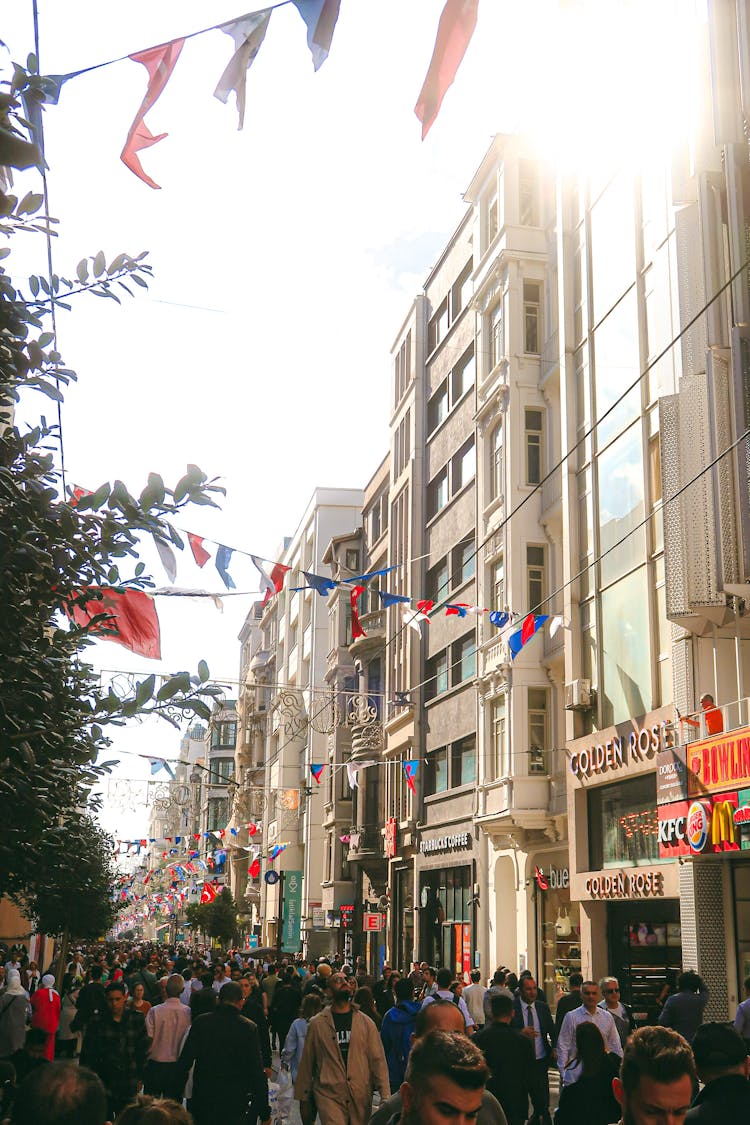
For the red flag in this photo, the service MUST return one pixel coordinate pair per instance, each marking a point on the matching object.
(131, 618)
(355, 595)
(200, 554)
(159, 62)
(455, 30)
(254, 869)
(252, 829)
(528, 629)
(196, 835)
(208, 894)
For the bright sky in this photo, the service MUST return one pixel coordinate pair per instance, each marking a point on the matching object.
(285, 259)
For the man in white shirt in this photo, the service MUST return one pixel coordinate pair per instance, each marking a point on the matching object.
(443, 992)
(589, 1010)
(473, 995)
(167, 1025)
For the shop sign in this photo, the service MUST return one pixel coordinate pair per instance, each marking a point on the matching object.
(346, 913)
(629, 744)
(373, 922)
(622, 884)
(671, 776)
(719, 763)
(706, 827)
(391, 829)
(445, 843)
(318, 918)
(290, 933)
(558, 879)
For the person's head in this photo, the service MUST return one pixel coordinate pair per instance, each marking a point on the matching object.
(231, 993)
(501, 1007)
(610, 990)
(36, 1041)
(145, 1110)
(246, 986)
(364, 999)
(529, 991)
(61, 1093)
(444, 978)
(311, 1005)
(403, 990)
(689, 981)
(707, 701)
(591, 995)
(441, 1015)
(512, 982)
(498, 978)
(387, 970)
(175, 986)
(324, 971)
(575, 980)
(475, 976)
(656, 1077)
(339, 990)
(719, 1050)
(96, 972)
(445, 1080)
(115, 998)
(590, 1047)
(139, 992)
(429, 974)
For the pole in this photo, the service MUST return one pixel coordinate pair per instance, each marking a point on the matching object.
(280, 922)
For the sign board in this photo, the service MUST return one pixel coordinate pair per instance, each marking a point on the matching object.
(290, 934)
(372, 922)
(642, 883)
(318, 918)
(445, 843)
(671, 776)
(719, 763)
(391, 829)
(346, 912)
(719, 822)
(252, 941)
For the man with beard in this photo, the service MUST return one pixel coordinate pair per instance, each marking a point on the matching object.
(342, 1063)
(657, 1078)
(445, 1081)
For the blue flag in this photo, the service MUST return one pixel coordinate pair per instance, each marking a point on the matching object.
(391, 599)
(223, 555)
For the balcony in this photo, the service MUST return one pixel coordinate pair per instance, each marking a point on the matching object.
(365, 842)
(374, 627)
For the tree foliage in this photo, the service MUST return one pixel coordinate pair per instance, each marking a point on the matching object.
(54, 714)
(217, 919)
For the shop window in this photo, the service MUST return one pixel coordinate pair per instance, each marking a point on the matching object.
(623, 828)
(532, 316)
(464, 761)
(533, 445)
(537, 719)
(561, 929)
(496, 463)
(535, 577)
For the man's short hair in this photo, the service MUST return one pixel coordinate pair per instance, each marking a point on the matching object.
(718, 1049)
(689, 981)
(404, 990)
(499, 976)
(444, 978)
(453, 1056)
(146, 1110)
(115, 986)
(430, 969)
(230, 993)
(475, 975)
(576, 980)
(96, 972)
(658, 1053)
(61, 1093)
(425, 1015)
(501, 1005)
(175, 985)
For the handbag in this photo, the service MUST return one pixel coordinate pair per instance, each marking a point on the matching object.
(563, 925)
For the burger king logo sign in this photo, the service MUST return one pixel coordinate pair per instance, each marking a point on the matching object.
(696, 827)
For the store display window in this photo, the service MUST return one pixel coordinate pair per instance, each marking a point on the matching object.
(623, 824)
(560, 934)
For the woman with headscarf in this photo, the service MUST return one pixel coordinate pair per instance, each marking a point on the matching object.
(45, 1012)
(14, 1007)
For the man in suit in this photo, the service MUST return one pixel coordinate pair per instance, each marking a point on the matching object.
(510, 1057)
(532, 1017)
(570, 1001)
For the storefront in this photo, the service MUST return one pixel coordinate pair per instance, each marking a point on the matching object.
(448, 894)
(558, 927)
(626, 891)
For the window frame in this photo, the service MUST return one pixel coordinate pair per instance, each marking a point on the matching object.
(533, 440)
(533, 308)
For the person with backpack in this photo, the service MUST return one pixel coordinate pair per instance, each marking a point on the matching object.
(397, 1030)
(444, 981)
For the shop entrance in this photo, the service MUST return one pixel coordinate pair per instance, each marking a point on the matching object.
(645, 953)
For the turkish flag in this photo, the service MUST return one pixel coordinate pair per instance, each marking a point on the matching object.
(254, 869)
(200, 554)
(131, 619)
(208, 894)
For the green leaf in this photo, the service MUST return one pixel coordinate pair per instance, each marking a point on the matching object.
(100, 264)
(30, 203)
(203, 672)
(34, 285)
(82, 270)
(145, 690)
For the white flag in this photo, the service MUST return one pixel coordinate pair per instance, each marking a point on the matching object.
(248, 33)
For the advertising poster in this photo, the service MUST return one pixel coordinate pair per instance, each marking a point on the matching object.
(290, 934)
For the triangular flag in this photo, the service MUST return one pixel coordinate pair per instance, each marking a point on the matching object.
(370, 574)
(320, 17)
(223, 557)
(317, 771)
(168, 560)
(254, 869)
(270, 584)
(458, 609)
(252, 829)
(499, 619)
(357, 630)
(131, 619)
(233, 831)
(522, 636)
(556, 623)
(456, 27)
(352, 769)
(410, 772)
(413, 618)
(319, 583)
(345, 839)
(159, 62)
(248, 33)
(276, 851)
(200, 554)
(208, 893)
(391, 599)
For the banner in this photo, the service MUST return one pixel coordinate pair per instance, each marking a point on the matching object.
(290, 934)
(719, 763)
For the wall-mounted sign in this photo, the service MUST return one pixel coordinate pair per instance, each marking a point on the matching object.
(373, 922)
(445, 843)
(290, 933)
(622, 746)
(647, 883)
(719, 763)
(346, 913)
(318, 918)
(671, 776)
(271, 877)
(391, 830)
(556, 879)
(718, 823)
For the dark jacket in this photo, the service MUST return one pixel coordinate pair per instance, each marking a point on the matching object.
(383, 996)
(284, 1008)
(549, 1035)
(723, 1100)
(591, 1099)
(510, 1056)
(228, 1067)
(116, 1051)
(625, 1026)
(92, 999)
(683, 1011)
(396, 1031)
(566, 1004)
(202, 1002)
(252, 1010)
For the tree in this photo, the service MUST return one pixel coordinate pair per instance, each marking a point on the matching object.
(195, 913)
(221, 916)
(53, 550)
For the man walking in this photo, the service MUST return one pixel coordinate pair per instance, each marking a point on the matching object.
(656, 1078)
(115, 1048)
(532, 1017)
(445, 1081)
(510, 1056)
(589, 1010)
(620, 1013)
(443, 992)
(723, 1068)
(167, 1025)
(473, 997)
(229, 1074)
(570, 1001)
(342, 1063)
(382, 993)
(684, 1010)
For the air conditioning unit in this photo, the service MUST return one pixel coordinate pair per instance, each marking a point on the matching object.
(579, 695)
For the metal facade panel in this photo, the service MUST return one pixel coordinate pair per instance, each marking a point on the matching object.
(723, 474)
(700, 517)
(692, 292)
(674, 553)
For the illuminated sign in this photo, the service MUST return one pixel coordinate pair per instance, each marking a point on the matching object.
(671, 776)
(636, 884)
(373, 922)
(696, 827)
(619, 751)
(558, 878)
(719, 763)
(706, 827)
(445, 843)
(742, 815)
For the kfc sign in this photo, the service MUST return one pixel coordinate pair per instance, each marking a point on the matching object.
(705, 827)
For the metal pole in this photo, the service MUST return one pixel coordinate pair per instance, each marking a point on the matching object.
(280, 922)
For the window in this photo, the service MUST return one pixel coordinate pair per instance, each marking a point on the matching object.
(533, 442)
(465, 659)
(437, 407)
(402, 445)
(402, 370)
(493, 215)
(465, 564)
(344, 871)
(352, 560)
(438, 581)
(437, 493)
(463, 374)
(496, 335)
(218, 814)
(221, 770)
(537, 716)
(223, 734)
(464, 761)
(498, 584)
(496, 462)
(623, 829)
(437, 675)
(438, 326)
(500, 765)
(464, 465)
(461, 291)
(535, 577)
(436, 774)
(528, 193)
(531, 316)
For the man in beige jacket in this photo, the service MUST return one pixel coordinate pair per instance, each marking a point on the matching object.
(342, 1063)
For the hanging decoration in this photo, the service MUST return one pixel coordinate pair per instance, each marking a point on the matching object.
(456, 27)
(159, 62)
(167, 557)
(355, 595)
(411, 766)
(208, 894)
(223, 557)
(320, 17)
(248, 33)
(128, 617)
(531, 625)
(200, 554)
(317, 771)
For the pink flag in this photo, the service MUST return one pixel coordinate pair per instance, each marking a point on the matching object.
(159, 62)
(131, 619)
(455, 30)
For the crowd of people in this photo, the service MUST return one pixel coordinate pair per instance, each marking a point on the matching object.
(157, 1034)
